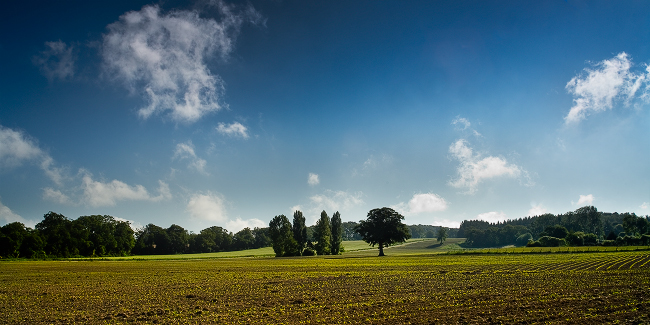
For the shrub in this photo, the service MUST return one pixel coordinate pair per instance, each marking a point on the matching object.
(548, 241)
(308, 252)
(609, 243)
(523, 240)
(532, 243)
(591, 240)
(576, 238)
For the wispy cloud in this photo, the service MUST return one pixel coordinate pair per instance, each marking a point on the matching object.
(644, 205)
(17, 148)
(473, 169)
(422, 203)
(597, 89)
(97, 193)
(239, 224)
(463, 124)
(235, 129)
(8, 216)
(164, 57)
(313, 179)
(57, 61)
(185, 151)
(57, 196)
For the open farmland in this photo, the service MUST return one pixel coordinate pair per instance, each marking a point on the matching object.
(396, 289)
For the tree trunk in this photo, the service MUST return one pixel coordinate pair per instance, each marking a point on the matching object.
(381, 249)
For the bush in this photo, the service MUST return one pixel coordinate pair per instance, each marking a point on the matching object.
(576, 238)
(308, 252)
(548, 241)
(524, 239)
(591, 240)
(609, 243)
(532, 243)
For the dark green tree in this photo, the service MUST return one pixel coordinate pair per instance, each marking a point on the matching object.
(323, 235)
(12, 236)
(178, 239)
(299, 229)
(151, 240)
(282, 237)
(337, 234)
(124, 238)
(383, 227)
(56, 230)
(262, 238)
(442, 234)
(243, 239)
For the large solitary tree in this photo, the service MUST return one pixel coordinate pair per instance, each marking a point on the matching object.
(384, 228)
(442, 234)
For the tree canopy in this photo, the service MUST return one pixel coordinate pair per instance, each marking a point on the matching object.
(383, 227)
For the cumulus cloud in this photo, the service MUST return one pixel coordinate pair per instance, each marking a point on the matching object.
(207, 207)
(313, 179)
(57, 61)
(492, 217)
(97, 193)
(8, 216)
(473, 169)
(537, 210)
(185, 151)
(422, 203)
(164, 56)
(644, 205)
(585, 200)
(239, 224)
(17, 148)
(235, 129)
(597, 89)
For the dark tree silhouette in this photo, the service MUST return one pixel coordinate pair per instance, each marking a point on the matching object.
(337, 232)
(383, 227)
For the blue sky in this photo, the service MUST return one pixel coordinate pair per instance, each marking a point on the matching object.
(223, 113)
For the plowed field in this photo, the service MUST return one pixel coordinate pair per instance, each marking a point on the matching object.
(588, 288)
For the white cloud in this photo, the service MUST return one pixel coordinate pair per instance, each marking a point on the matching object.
(56, 196)
(585, 200)
(599, 88)
(16, 148)
(446, 223)
(373, 163)
(294, 209)
(57, 61)
(462, 122)
(313, 179)
(186, 151)
(473, 170)
(421, 203)
(165, 56)
(133, 224)
(98, 193)
(644, 205)
(537, 210)
(239, 224)
(233, 129)
(8, 216)
(492, 217)
(336, 200)
(207, 207)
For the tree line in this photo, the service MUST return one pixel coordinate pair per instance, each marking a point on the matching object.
(584, 226)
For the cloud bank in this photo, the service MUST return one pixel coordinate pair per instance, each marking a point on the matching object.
(165, 56)
(473, 169)
(597, 89)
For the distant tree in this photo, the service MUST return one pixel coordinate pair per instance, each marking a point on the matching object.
(96, 235)
(430, 234)
(442, 234)
(262, 238)
(383, 227)
(124, 238)
(56, 230)
(299, 229)
(556, 231)
(243, 239)
(348, 231)
(281, 235)
(150, 240)
(12, 236)
(212, 239)
(337, 232)
(178, 239)
(323, 235)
